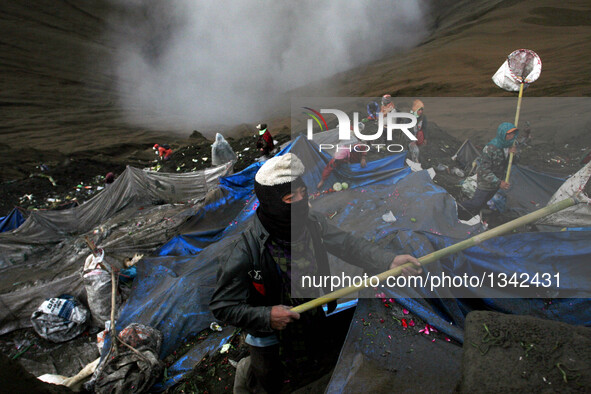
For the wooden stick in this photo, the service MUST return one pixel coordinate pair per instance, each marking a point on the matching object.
(438, 254)
(516, 121)
(113, 303)
(91, 245)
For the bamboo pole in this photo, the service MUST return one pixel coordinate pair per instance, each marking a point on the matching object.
(516, 121)
(519, 103)
(438, 254)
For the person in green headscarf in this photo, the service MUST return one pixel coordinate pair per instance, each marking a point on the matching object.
(492, 168)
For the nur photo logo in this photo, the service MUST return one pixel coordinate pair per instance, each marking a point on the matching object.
(394, 123)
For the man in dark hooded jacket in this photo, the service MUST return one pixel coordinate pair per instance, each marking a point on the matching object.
(254, 286)
(492, 168)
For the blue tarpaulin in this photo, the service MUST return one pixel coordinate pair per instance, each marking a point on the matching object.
(11, 221)
(172, 290)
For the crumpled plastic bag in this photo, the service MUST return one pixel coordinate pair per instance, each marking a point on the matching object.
(469, 186)
(97, 283)
(498, 202)
(129, 372)
(60, 319)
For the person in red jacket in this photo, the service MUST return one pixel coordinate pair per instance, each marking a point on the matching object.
(265, 142)
(164, 151)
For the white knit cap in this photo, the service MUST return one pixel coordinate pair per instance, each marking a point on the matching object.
(279, 170)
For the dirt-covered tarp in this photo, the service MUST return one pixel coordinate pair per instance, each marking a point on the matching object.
(173, 287)
(172, 291)
(138, 213)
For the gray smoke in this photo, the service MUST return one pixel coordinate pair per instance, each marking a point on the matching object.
(198, 63)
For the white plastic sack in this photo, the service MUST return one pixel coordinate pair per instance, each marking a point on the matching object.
(97, 283)
(575, 216)
(522, 65)
(60, 319)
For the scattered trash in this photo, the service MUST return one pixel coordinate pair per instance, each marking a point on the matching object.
(457, 172)
(473, 221)
(225, 348)
(132, 261)
(214, 326)
(389, 217)
(60, 319)
(498, 202)
(127, 275)
(97, 282)
(469, 186)
(413, 220)
(130, 371)
(415, 167)
(53, 182)
(441, 167)
(23, 349)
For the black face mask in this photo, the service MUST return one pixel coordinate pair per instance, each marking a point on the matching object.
(282, 220)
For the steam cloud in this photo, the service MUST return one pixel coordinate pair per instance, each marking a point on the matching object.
(227, 62)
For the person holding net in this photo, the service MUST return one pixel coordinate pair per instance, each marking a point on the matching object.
(491, 169)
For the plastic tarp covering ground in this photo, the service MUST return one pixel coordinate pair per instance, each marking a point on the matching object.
(172, 291)
(11, 221)
(530, 190)
(371, 358)
(138, 213)
(141, 211)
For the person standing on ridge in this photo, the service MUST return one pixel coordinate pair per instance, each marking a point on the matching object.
(419, 131)
(265, 142)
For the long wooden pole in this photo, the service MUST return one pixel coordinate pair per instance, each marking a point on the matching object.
(516, 122)
(438, 254)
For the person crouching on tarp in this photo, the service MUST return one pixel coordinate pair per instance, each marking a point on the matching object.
(345, 154)
(419, 131)
(265, 142)
(492, 168)
(259, 271)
